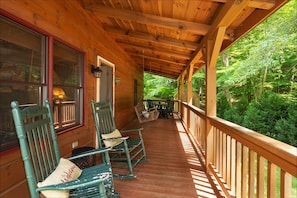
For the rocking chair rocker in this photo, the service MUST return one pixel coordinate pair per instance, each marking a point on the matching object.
(125, 152)
(49, 174)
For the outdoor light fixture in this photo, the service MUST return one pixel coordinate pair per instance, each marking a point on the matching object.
(96, 71)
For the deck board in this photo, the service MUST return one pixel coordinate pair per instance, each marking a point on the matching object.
(173, 169)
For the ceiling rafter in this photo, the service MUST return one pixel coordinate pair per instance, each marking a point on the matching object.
(260, 4)
(156, 51)
(149, 64)
(148, 19)
(163, 60)
(151, 38)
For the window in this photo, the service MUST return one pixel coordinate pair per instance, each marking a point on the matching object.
(22, 73)
(67, 91)
(24, 77)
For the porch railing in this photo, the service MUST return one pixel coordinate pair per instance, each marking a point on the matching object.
(245, 163)
(64, 114)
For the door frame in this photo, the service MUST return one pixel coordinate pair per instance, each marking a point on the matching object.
(101, 61)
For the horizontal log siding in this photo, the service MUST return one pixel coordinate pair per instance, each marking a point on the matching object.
(68, 22)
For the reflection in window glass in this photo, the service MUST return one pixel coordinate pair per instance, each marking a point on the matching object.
(67, 91)
(22, 55)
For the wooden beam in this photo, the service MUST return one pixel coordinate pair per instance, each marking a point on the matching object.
(164, 74)
(199, 57)
(148, 19)
(159, 59)
(190, 85)
(253, 20)
(181, 87)
(151, 38)
(149, 63)
(169, 53)
(211, 104)
(216, 47)
(164, 71)
(158, 66)
(226, 17)
(262, 4)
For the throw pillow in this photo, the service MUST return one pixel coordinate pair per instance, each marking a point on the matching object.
(111, 143)
(65, 171)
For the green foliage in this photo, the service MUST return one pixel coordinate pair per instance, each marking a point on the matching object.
(235, 112)
(257, 89)
(273, 116)
(286, 128)
(156, 87)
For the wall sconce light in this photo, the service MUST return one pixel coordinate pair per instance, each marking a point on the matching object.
(117, 80)
(96, 71)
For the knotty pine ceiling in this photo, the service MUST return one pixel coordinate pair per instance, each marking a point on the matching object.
(165, 36)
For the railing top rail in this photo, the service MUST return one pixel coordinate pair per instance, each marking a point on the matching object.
(277, 152)
(196, 110)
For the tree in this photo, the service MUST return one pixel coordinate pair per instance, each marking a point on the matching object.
(157, 87)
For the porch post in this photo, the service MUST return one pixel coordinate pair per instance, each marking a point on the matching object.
(211, 106)
(180, 91)
(212, 52)
(189, 90)
(181, 87)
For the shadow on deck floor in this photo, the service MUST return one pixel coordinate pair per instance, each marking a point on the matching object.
(173, 169)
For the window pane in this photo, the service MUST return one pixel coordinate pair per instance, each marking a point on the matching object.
(67, 91)
(67, 65)
(9, 92)
(22, 55)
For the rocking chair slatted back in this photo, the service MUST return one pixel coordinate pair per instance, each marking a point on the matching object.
(129, 151)
(104, 122)
(42, 148)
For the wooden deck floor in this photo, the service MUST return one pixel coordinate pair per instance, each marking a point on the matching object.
(173, 169)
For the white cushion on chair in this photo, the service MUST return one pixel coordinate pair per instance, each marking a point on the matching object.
(65, 171)
(111, 143)
(145, 114)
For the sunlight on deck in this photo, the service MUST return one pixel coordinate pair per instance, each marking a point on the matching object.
(200, 179)
(173, 169)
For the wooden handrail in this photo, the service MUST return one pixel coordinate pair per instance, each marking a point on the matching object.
(281, 154)
(243, 160)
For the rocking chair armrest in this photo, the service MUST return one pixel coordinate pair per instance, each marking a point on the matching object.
(116, 138)
(85, 182)
(90, 152)
(131, 130)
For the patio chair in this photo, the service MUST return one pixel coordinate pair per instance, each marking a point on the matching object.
(126, 152)
(170, 108)
(48, 174)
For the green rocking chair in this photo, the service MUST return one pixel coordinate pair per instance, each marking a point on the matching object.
(49, 175)
(126, 152)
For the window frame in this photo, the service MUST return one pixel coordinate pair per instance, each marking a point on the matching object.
(79, 118)
(46, 83)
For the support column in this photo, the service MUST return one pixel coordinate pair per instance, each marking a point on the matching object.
(212, 52)
(180, 91)
(181, 87)
(190, 86)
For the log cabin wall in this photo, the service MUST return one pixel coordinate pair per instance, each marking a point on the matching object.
(67, 21)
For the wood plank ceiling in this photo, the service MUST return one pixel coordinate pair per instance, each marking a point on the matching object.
(165, 36)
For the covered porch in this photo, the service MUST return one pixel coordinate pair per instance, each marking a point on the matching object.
(173, 39)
